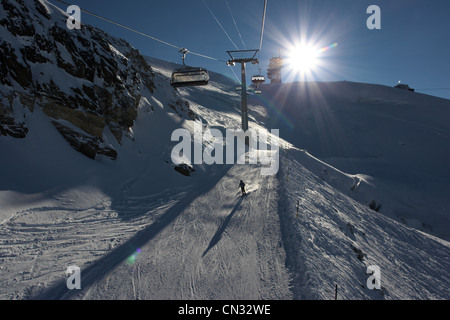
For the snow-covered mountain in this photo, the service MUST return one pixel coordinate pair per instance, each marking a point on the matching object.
(362, 180)
(392, 142)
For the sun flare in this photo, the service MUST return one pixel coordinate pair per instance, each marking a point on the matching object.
(303, 58)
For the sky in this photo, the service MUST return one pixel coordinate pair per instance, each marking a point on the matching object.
(412, 46)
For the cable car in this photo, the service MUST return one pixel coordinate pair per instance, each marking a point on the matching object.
(189, 76)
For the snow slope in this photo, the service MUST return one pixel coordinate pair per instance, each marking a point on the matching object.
(396, 142)
(194, 238)
(208, 245)
(140, 230)
(334, 240)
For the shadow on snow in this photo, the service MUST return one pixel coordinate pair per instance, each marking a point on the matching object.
(94, 272)
(218, 235)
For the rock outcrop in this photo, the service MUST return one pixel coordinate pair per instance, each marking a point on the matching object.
(84, 80)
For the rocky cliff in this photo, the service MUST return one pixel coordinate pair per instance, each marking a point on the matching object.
(84, 80)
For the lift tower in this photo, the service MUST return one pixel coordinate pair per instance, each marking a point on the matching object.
(242, 57)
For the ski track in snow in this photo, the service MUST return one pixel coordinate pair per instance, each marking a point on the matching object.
(37, 245)
(206, 241)
(214, 246)
(347, 237)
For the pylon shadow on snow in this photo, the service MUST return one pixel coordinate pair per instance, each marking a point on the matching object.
(218, 235)
(95, 271)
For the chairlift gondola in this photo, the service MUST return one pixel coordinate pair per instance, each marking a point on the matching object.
(189, 76)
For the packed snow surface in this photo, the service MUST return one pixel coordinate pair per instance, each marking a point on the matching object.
(140, 230)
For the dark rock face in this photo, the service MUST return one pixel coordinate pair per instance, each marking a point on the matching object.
(91, 147)
(8, 127)
(184, 169)
(85, 77)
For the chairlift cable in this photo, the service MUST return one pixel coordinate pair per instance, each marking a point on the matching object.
(122, 26)
(262, 33)
(238, 80)
(235, 24)
(141, 33)
(218, 22)
(262, 28)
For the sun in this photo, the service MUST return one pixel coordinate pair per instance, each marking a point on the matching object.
(303, 58)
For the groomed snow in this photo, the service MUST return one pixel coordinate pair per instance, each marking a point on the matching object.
(139, 230)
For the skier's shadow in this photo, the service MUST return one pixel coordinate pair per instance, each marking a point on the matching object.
(218, 235)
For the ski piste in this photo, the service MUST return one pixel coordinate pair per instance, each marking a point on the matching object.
(138, 229)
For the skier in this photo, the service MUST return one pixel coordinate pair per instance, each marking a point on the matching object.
(242, 185)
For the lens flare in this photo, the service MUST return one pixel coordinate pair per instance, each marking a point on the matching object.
(132, 259)
(326, 48)
(303, 58)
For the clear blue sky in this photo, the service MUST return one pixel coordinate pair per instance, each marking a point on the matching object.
(412, 46)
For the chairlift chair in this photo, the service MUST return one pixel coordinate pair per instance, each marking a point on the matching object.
(249, 90)
(257, 81)
(189, 76)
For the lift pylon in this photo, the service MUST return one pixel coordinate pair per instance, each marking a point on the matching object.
(243, 57)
